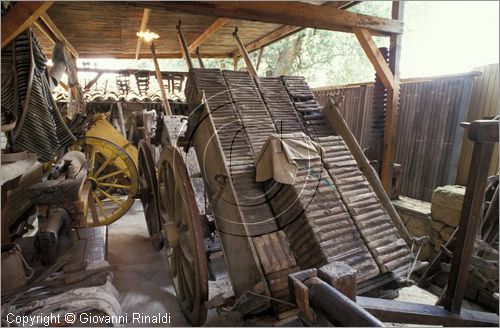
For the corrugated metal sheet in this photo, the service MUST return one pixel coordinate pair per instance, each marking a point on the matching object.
(428, 136)
(483, 104)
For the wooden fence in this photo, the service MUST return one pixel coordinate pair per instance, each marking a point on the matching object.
(428, 137)
(483, 104)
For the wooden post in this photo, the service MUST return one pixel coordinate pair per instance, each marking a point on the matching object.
(235, 63)
(244, 54)
(200, 61)
(144, 25)
(159, 78)
(391, 113)
(484, 134)
(185, 49)
(259, 59)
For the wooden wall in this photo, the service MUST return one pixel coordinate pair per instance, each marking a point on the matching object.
(483, 104)
(428, 137)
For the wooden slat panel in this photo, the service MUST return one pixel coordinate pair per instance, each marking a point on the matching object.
(428, 137)
(483, 104)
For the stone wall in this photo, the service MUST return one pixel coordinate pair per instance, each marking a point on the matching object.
(438, 220)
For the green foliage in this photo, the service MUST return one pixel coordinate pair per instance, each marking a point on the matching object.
(325, 57)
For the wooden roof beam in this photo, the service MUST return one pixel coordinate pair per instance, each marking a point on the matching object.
(50, 29)
(144, 26)
(283, 12)
(168, 55)
(211, 30)
(287, 30)
(20, 17)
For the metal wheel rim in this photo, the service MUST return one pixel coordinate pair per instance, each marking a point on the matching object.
(149, 194)
(105, 183)
(186, 258)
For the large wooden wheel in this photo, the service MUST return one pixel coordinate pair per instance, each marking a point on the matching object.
(113, 177)
(149, 194)
(185, 246)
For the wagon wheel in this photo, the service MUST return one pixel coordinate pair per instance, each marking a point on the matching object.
(113, 177)
(149, 194)
(186, 250)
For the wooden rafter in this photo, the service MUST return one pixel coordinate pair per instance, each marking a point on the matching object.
(20, 17)
(286, 30)
(50, 29)
(376, 57)
(283, 12)
(144, 26)
(211, 30)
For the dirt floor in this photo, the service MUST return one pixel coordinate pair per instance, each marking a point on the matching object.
(145, 286)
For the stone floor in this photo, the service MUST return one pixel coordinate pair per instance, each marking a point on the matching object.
(143, 280)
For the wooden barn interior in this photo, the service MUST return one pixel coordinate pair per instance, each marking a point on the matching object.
(218, 196)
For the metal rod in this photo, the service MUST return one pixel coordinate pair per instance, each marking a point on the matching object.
(184, 47)
(338, 308)
(244, 54)
(200, 61)
(159, 78)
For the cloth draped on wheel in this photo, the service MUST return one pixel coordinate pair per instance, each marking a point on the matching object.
(40, 128)
(279, 155)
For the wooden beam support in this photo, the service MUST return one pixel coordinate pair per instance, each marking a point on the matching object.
(52, 27)
(184, 47)
(198, 55)
(423, 314)
(93, 81)
(259, 59)
(127, 71)
(211, 30)
(376, 57)
(176, 55)
(159, 78)
(283, 12)
(235, 63)
(244, 53)
(484, 134)
(143, 27)
(20, 17)
(392, 107)
(286, 30)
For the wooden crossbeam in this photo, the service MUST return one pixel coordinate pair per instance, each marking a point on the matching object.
(163, 55)
(50, 29)
(209, 31)
(376, 57)
(20, 17)
(144, 25)
(286, 30)
(282, 12)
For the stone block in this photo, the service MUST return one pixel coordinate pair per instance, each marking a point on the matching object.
(449, 196)
(446, 233)
(446, 215)
(427, 253)
(437, 226)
